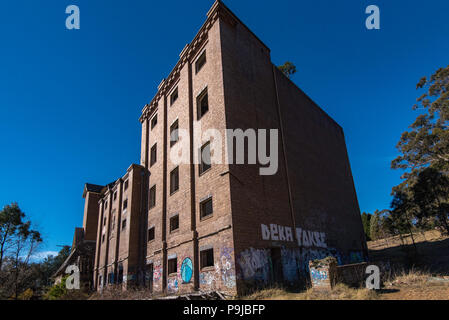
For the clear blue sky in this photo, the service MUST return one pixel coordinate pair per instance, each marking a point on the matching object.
(70, 100)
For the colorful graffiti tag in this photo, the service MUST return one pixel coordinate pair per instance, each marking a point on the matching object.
(318, 276)
(226, 269)
(223, 273)
(172, 284)
(157, 274)
(255, 264)
(186, 270)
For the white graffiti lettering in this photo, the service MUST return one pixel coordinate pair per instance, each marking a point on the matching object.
(305, 238)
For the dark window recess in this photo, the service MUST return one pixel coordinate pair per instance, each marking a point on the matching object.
(123, 224)
(125, 204)
(207, 258)
(174, 223)
(126, 185)
(202, 104)
(110, 278)
(102, 238)
(104, 221)
(115, 195)
(172, 265)
(105, 205)
(200, 62)
(152, 197)
(174, 96)
(151, 234)
(154, 121)
(174, 180)
(205, 158)
(120, 274)
(153, 155)
(174, 133)
(206, 208)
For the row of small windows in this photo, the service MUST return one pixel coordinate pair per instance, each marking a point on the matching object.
(174, 186)
(202, 104)
(125, 206)
(113, 226)
(206, 260)
(205, 161)
(206, 209)
(114, 196)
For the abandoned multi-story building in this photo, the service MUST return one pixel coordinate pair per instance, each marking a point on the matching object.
(182, 227)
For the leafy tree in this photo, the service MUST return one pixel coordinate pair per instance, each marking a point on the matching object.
(24, 246)
(378, 229)
(427, 143)
(11, 227)
(402, 213)
(57, 291)
(18, 241)
(375, 226)
(366, 220)
(288, 68)
(430, 194)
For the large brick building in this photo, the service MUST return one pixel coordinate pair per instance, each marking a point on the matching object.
(184, 227)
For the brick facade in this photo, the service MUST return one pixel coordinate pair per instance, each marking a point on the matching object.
(263, 229)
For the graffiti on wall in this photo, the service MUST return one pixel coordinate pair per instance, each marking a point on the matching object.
(208, 280)
(186, 270)
(304, 238)
(226, 267)
(319, 276)
(172, 284)
(223, 273)
(355, 257)
(157, 274)
(290, 261)
(255, 264)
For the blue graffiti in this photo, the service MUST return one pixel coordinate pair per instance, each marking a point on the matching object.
(186, 270)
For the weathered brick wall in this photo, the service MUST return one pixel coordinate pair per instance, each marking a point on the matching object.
(91, 211)
(215, 229)
(353, 275)
(327, 276)
(324, 204)
(263, 229)
(322, 276)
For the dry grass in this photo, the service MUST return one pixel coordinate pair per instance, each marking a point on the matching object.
(116, 293)
(339, 292)
(409, 277)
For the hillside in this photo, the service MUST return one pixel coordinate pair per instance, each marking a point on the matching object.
(409, 274)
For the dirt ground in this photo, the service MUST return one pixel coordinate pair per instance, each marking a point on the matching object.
(420, 292)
